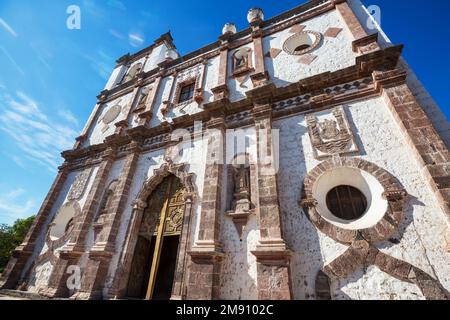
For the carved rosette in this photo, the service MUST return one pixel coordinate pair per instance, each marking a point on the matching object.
(330, 134)
(79, 185)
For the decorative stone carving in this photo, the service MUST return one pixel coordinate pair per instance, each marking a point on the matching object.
(193, 75)
(112, 114)
(143, 96)
(330, 134)
(302, 42)
(241, 205)
(242, 62)
(133, 72)
(79, 185)
(362, 250)
(255, 15)
(229, 28)
(104, 206)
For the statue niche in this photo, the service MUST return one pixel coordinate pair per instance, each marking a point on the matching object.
(240, 204)
(242, 62)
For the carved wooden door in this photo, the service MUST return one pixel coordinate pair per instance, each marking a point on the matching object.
(156, 252)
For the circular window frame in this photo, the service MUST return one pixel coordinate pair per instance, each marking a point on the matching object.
(69, 211)
(383, 217)
(290, 49)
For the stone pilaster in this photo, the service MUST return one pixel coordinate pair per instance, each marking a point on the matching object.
(75, 248)
(221, 90)
(261, 76)
(432, 153)
(364, 43)
(271, 253)
(146, 116)
(15, 268)
(206, 254)
(105, 247)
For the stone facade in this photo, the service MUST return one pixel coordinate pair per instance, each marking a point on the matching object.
(309, 100)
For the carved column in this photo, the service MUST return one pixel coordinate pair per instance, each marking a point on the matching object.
(432, 153)
(206, 254)
(179, 282)
(271, 253)
(15, 268)
(105, 247)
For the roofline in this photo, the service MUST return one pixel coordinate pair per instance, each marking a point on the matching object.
(167, 37)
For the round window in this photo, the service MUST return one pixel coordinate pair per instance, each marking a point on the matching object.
(346, 202)
(301, 43)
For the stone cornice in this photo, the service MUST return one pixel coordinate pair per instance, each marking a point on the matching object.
(319, 91)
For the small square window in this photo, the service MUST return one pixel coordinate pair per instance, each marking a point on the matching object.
(186, 93)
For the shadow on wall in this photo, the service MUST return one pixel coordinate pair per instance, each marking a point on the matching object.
(301, 236)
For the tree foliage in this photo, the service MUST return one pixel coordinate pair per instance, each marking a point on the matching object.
(11, 237)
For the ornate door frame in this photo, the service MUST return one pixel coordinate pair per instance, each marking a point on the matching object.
(120, 281)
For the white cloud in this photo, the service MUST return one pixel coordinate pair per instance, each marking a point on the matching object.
(136, 39)
(39, 137)
(68, 116)
(101, 65)
(11, 59)
(117, 34)
(8, 28)
(117, 5)
(13, 206)
(17, 160)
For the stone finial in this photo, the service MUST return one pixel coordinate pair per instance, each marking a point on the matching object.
(229, 28)
(255, 15)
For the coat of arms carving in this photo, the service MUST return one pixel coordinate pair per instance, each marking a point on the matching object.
(79, 185)
(330, 134)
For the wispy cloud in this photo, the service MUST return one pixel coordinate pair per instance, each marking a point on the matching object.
(13, 206)
(38, 136)
(117, 34)
(136, 39)
(8, 28)
(68, 116)
(117, 5)
(11, 59)
(17, 160)
(101, 63)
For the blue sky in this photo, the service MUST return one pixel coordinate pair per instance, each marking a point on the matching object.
(50, 75)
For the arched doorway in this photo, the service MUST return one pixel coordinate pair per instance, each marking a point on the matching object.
(155, 255)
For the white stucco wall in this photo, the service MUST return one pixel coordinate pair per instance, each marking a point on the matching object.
(210, 78)
(99, 130)
(332, 53)
(40, 273)
(239, 275)
(433, 111)
(424, 226)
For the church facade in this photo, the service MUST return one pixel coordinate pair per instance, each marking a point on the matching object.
(299, 158)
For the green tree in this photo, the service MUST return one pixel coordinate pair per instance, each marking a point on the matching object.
(11, 237)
